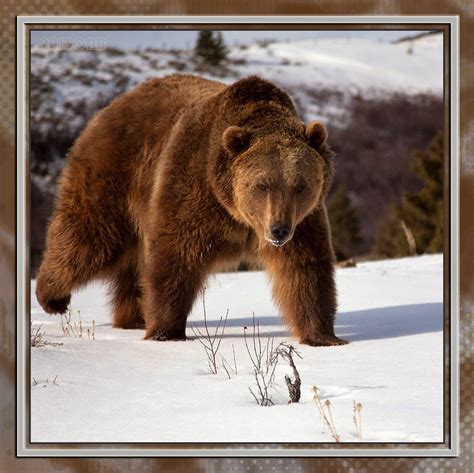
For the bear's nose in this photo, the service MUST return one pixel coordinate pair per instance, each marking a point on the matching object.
(280, 231)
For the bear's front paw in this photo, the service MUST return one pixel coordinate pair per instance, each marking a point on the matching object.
(55, 306)
(324, 341)
(52, 299)
(160, 335)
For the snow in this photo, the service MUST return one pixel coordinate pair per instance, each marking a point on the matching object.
(120, 388)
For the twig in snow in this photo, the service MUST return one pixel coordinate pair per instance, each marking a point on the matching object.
(46, 382)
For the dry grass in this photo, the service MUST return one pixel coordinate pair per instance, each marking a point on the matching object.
(409, 238)
(71, 328)
(324, 409)
(325, 413)
(357, 419)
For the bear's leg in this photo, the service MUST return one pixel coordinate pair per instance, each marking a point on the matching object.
(85, 237)
(170, 286)
(126, 294)
(304, 284)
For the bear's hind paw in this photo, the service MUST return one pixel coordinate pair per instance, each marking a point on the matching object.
(163, 336)
(324, 341)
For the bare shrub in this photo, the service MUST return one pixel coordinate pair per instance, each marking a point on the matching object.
(38, 338)
(264, 357)
(264, 360)
(211, 341)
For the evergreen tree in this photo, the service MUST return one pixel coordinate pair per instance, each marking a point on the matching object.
(422, 212)
(345, 226)
(210, 47)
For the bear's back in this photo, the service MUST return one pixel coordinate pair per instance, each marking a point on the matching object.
(187, 88)
(149, 110)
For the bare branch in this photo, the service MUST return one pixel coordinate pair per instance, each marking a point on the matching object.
(235, 362)
(225, 368)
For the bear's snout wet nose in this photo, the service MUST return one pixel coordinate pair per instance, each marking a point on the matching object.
(280, 231)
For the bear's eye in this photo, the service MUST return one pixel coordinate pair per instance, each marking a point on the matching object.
(299, 188)
(263, 187)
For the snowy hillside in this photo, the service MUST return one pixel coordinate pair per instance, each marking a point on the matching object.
(119, 388)
(342, 66)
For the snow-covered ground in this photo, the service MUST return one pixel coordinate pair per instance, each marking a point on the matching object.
(120, 388)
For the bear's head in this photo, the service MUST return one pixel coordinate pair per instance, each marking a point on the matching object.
(278, 174)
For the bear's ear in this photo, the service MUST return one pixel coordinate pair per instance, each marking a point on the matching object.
(235, 139)
(316, 134)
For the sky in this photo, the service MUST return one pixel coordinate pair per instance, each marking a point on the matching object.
(166, 39)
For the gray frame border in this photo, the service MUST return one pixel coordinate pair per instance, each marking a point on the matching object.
(23, 450)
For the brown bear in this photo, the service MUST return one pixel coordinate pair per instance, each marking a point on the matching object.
(180, 177)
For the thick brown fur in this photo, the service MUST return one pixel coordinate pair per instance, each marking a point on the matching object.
(180, 177)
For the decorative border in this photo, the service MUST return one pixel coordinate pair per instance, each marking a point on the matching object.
(24, 449)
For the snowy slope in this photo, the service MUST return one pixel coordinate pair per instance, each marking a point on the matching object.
(351, 64)
(119, 388)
